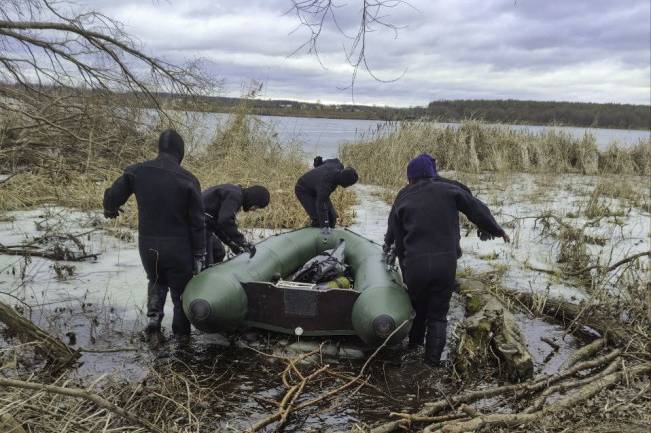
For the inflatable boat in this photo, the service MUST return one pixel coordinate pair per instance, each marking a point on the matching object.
(254, 292)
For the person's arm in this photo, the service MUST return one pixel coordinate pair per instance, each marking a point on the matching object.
(479, 214)
(117, 195)
(389, 237)
(197, 220)
(226, 223)
(397, 233)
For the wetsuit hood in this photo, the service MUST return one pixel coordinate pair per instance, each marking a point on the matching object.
(171, 143)
(347, 177)
(255, 195)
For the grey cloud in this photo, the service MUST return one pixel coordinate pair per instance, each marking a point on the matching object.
(450, 48)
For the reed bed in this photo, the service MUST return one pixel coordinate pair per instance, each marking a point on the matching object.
(70, 156)
(476, 147)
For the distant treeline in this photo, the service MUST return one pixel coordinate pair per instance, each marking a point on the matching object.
(624, 116)
(510, 111)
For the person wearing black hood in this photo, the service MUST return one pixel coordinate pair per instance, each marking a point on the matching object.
(424, 221)
(171, 232)
(221, 204)
(313, 191)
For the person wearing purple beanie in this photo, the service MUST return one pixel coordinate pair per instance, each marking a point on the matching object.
(424, 226)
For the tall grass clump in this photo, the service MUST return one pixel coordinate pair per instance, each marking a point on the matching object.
(476, 147)
(246, 151)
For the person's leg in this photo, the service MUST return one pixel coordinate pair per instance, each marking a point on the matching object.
(156, 288)
(416, 281)
(439, 303)
(417, 331)
(308, 202)
(178, 272)
(332, 215)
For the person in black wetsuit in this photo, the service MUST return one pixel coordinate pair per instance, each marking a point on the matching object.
(171, 233)
(221, 204)
(313, 190)
(424, 220)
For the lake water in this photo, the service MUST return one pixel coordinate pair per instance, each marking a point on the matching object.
(323, 136)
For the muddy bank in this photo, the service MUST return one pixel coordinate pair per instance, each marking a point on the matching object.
(230, 382)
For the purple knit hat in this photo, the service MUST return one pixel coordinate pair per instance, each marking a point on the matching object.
(422, 166)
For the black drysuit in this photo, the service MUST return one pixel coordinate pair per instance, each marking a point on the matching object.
(170, 228)
(389, 237)
(221, 204)
(313, 191)
(424, 220)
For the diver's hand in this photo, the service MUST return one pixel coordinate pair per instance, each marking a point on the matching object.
(112, 213)
(484, 236)
(250, 248)
(390, 256)
(197, 265)
(506, 237)
(235, 248)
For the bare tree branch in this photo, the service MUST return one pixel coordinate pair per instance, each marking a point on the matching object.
(315, 14)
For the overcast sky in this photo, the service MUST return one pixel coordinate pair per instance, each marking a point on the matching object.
(571, 50)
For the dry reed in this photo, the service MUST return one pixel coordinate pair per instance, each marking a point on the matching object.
(476, 147)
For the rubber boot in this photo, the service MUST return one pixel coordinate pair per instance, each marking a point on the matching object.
(417, 333)
(155, 305)
(180, 324)
(435, 342)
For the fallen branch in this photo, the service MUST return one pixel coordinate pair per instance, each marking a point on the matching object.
(610, 268)
(584, 352)
(534, 385)
(517, 419)
(50, 346)
(566, 312)
(86, 395)
(52, 255)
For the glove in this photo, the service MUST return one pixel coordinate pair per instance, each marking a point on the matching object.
(197, 265)
(235, 248)
(108, 213)
(484, 236)
(325, 231)
(390, 256)
(250, 248)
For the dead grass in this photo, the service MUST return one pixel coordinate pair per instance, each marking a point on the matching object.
(78, 166)
(476, 147)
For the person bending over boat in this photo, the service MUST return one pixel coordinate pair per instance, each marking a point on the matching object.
(221, 204)
(313, 191)
(171, 233)
(424, 221)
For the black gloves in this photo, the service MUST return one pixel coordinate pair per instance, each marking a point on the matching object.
(250, 248)
(389, 255)
(484, 236)
(109, 213)
(197, 265)
(244, 247)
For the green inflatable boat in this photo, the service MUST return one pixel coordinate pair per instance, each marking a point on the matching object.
(251, 292)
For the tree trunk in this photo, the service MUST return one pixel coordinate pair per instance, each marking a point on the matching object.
(490, 328)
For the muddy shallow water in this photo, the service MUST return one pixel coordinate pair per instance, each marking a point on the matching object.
(100, 306)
